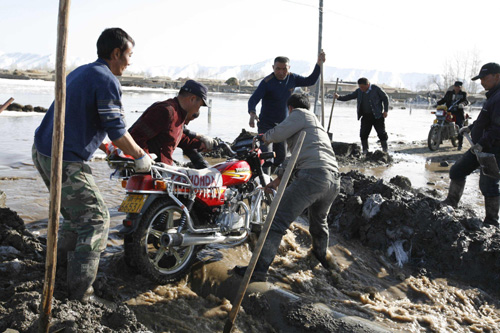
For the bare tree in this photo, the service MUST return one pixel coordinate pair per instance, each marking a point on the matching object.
(462, 66)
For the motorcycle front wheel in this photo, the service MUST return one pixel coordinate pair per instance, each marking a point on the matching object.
(434, 138)
(162, 264)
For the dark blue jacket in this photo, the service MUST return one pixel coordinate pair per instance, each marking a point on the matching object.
(274, 94)
(93, 109)
(376, 97)
(486, 129)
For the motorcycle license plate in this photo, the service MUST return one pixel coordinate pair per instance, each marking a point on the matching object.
(133, 203)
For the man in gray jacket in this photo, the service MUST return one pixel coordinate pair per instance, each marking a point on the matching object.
(316, 185)
(373, 105)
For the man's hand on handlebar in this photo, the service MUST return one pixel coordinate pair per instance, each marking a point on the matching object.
(272, 186)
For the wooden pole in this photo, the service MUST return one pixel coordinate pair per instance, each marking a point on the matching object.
(56, 167)
(6, 105)
(263, 235)
(322, 97)
(320, 47)
(333, 104)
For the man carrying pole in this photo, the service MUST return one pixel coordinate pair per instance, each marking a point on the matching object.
(316, 185)
(93, 110)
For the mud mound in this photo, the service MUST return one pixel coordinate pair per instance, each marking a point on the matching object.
(22, 269)
(413, 227)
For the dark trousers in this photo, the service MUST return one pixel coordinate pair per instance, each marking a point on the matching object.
(367, 122)
(459, 120)
(467, 164)
(279, 148)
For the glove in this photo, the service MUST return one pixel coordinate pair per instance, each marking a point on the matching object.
(477, 148)
(207, 141)
(464, 130)
(143, 164)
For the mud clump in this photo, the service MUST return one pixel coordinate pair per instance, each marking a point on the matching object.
(414, 228)
(22, 270)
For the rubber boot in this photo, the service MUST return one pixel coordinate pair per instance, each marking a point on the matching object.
(269, 250)
(364, 144)
(454, 193)
(65, 243)
(82, 271)
(491, 205)
(384, 146)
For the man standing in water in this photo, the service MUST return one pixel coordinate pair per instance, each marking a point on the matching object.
(373, 105)
(93, 110)
(485, 133)
(458, 98)
(274, 90)
(315, 187)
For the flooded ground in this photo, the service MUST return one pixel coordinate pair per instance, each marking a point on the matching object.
(414, 266)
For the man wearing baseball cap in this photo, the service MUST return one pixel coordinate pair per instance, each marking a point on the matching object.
(485, 133)
(160, 129)
(457, 98)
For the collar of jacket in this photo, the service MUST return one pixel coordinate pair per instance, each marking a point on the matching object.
(492, 91)
(179, 108)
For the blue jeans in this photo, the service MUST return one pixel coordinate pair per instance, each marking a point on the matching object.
(279, 148)
(468, 163)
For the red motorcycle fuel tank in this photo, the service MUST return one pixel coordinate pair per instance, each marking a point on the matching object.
(234, 172)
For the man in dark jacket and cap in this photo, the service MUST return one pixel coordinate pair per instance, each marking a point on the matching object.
(485, 133)
(455, 100)
(373, 105)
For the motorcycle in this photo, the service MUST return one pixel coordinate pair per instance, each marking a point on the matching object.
(444, 127)
(173, 212)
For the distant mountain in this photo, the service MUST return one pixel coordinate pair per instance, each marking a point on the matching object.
(411, 81)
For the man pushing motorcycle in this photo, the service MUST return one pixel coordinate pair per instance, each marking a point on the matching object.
(449, 99)
(160, 129)
(315, 187)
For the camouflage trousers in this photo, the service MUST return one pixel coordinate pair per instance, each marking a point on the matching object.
(82, 205)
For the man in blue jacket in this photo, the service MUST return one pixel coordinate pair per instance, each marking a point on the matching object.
(373, 105)
(485, 134)
(93, 110)
(274, 91)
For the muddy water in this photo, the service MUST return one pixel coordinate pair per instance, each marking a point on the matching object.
(373, 286)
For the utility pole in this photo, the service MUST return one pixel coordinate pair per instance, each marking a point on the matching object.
(320, 40)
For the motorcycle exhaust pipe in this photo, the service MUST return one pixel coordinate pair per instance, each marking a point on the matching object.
(188, 240)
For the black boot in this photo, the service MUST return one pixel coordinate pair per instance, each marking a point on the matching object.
(364, 144)
(269, 250)
(491, 205)
(65, 243)
(454, 193)
(384, 145)
(82, 271)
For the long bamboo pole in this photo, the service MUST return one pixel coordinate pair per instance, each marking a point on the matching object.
(56, 167)
(263, 235)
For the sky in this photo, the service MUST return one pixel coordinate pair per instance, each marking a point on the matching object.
(386, 35)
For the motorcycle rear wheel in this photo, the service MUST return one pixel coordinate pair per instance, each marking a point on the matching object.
(159, 263)
(434, 138)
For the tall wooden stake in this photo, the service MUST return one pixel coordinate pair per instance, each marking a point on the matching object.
(263, 235)
(56, 167)
(320, 47)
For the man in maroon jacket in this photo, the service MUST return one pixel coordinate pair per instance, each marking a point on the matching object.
(160, 128)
